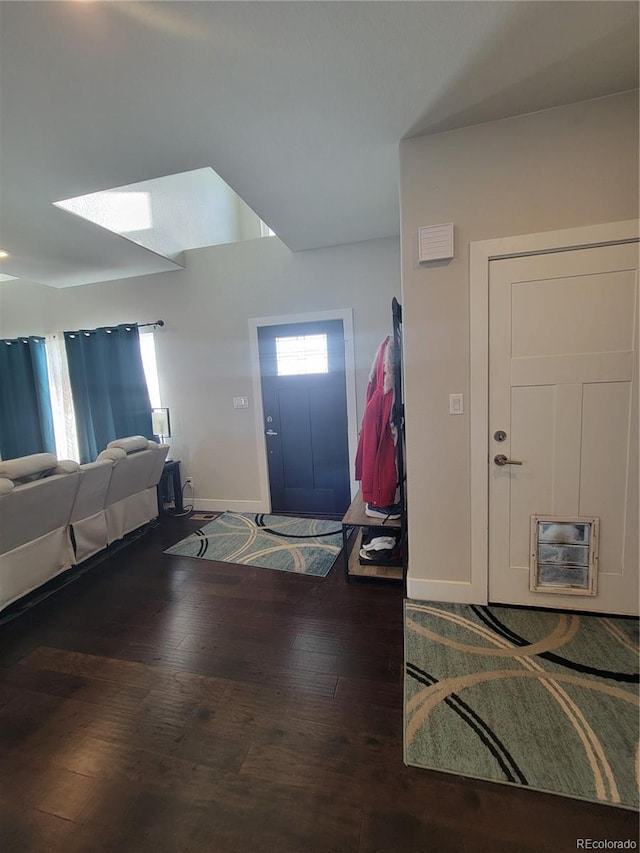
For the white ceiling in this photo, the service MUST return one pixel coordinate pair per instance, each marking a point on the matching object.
(298, 106)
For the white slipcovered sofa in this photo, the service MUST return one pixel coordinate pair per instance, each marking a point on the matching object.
(88, 522)
(131, 499)
(55, 514)
(36, 498)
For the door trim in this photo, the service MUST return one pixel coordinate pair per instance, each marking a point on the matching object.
(480, 255)
(344, 314)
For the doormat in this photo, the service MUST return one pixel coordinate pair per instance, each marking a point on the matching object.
(306, 546)
(527, 697)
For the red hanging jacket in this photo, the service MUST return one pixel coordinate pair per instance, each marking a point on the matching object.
(376, 454)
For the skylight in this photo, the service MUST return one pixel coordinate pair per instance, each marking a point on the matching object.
(171, 214)
(122, 212)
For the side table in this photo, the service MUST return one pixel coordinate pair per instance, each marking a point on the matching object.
(170, 487)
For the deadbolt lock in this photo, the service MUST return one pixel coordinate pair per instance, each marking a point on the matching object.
(500, 435)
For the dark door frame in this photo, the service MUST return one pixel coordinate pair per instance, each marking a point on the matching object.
(344, 314)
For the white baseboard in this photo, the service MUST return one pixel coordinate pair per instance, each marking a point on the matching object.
(457, 592)
(204, 504)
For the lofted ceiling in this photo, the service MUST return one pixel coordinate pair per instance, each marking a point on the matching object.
(298, 106)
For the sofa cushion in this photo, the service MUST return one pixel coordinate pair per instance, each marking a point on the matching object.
(5, 486)
(130, 444)
(27, 468)
(36, 509)
(113, 454)
(66, 466)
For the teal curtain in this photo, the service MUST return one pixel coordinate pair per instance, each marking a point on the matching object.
(26, 418)
(108, 386)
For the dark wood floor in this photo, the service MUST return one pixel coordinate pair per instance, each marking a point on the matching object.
(160, 703)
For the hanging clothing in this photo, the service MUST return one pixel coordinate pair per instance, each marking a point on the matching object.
(376, 454)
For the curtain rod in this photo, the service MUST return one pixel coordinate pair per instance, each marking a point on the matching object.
(157, 323)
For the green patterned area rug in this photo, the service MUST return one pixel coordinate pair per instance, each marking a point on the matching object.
(527, 697)
(307, 546)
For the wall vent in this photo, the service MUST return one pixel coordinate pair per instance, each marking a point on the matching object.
(435, 243)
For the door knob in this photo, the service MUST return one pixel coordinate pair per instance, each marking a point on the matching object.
(501, 460)
(270, 432)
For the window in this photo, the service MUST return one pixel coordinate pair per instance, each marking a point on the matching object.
(302, 354)
(64, 419)
(148, 351)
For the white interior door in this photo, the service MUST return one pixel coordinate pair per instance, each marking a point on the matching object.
(563, 387)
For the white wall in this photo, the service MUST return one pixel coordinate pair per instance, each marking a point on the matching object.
(247, 223)
(203, 350)
(26, 308)
(560, 168)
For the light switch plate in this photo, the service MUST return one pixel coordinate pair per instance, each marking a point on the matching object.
(456, 404)
(240, 402)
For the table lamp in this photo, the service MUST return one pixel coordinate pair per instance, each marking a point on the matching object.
(160, 424)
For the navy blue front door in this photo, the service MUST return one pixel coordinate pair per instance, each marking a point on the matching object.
(305, 416)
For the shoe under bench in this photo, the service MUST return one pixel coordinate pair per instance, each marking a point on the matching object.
(355, 517)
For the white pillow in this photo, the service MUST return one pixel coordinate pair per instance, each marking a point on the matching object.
(130, 444)
(25, 467)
